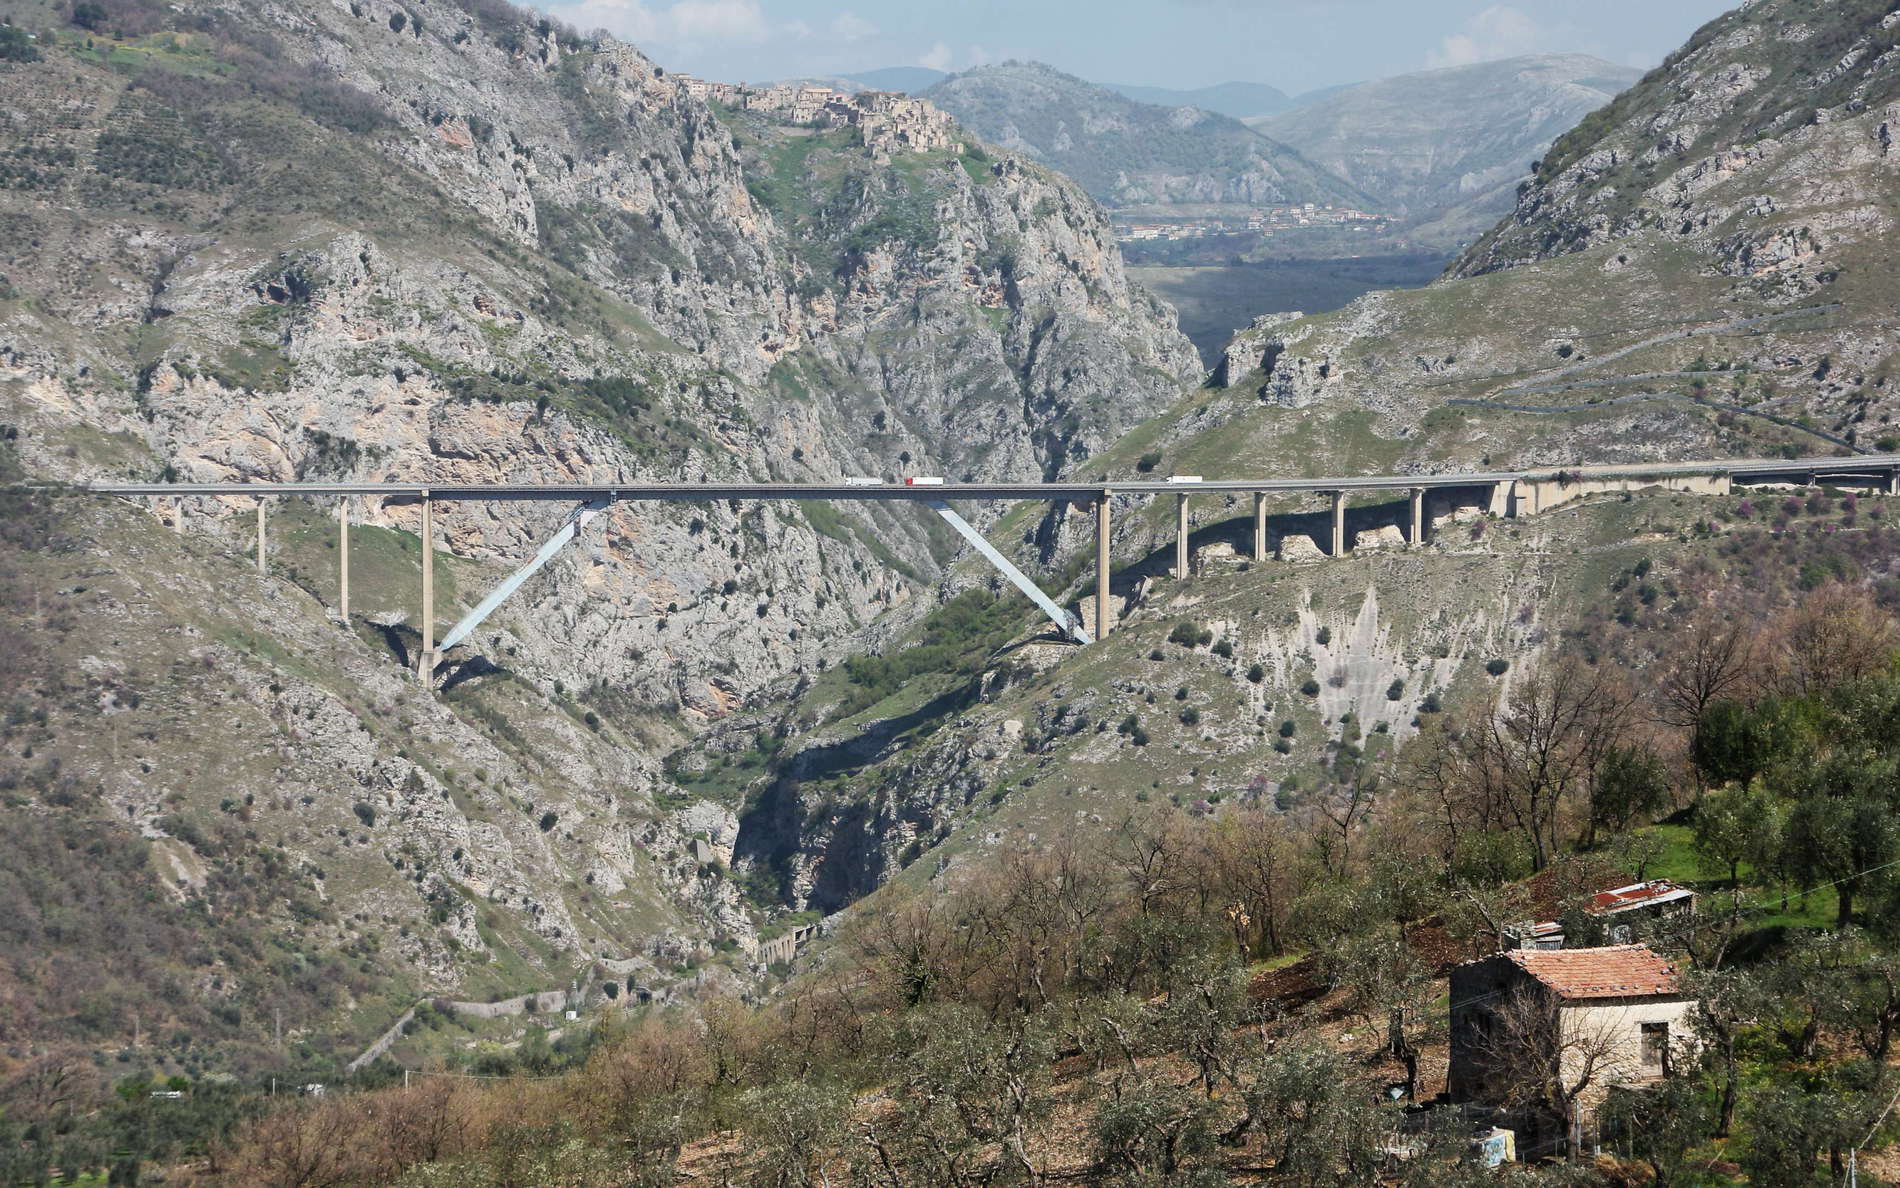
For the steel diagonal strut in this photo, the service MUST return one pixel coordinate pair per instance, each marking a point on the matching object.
(1070, 625)
(500, 594)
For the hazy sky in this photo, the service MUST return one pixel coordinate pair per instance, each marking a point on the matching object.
(1295, 45)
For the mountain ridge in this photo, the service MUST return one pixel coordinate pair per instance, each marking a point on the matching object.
(1447, 147)
(1126, 153)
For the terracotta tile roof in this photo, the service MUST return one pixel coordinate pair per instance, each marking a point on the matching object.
(1616, 971)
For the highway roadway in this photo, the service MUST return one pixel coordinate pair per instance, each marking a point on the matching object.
(1863, 466)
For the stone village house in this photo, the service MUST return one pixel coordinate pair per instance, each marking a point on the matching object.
(1544, 1035)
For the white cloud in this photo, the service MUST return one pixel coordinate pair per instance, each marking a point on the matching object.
(1500, 31)
(937, 57)
(684, 22)
(849, 26)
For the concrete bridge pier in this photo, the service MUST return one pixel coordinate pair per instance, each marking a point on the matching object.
(1181, 536)
(1893, 482)
(425, 664)
(1417, 535)
(1339, 523)
(1259, 526)
(1101, 567)
(262, 503)
(1503, 499)
(343, 558)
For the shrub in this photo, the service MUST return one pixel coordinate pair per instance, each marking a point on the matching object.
(1430, 705)
(1139, 737)
(16, 46)
(1224, 649)
(366, 813)
(1324, 636)
(1190, 716)
(1287, 728)
(1190, 634)
(1283, 746)
(1147, 462)
(1395, 690)
(1497, 666)
(1310, 687)
(548, 820)
(1256, 674)
(1129, 725)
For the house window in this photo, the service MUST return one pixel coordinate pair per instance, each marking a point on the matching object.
(1656, 1047)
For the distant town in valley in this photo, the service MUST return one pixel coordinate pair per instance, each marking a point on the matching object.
(1262, 221)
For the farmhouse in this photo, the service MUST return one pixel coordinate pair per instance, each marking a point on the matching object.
(1548, 1033)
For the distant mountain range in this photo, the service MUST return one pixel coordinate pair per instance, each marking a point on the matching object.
(1446, 148)
(1237, 99)
(1129, 153)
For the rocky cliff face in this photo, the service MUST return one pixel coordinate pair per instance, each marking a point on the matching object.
(429, 242)
(1777, 106)
(520, 254)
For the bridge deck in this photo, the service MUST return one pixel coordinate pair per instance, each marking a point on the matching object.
(1866, 466)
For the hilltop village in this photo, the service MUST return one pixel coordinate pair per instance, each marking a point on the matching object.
(891, 122)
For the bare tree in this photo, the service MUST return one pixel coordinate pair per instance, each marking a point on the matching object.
(1541, 1057)
(51, 1086)
(1715, 660)
(1524, 765)
(1255, 859)
(1836, 635)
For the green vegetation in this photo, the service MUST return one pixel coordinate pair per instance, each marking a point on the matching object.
(16, 45)
(957, 635)
(1190, 634)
